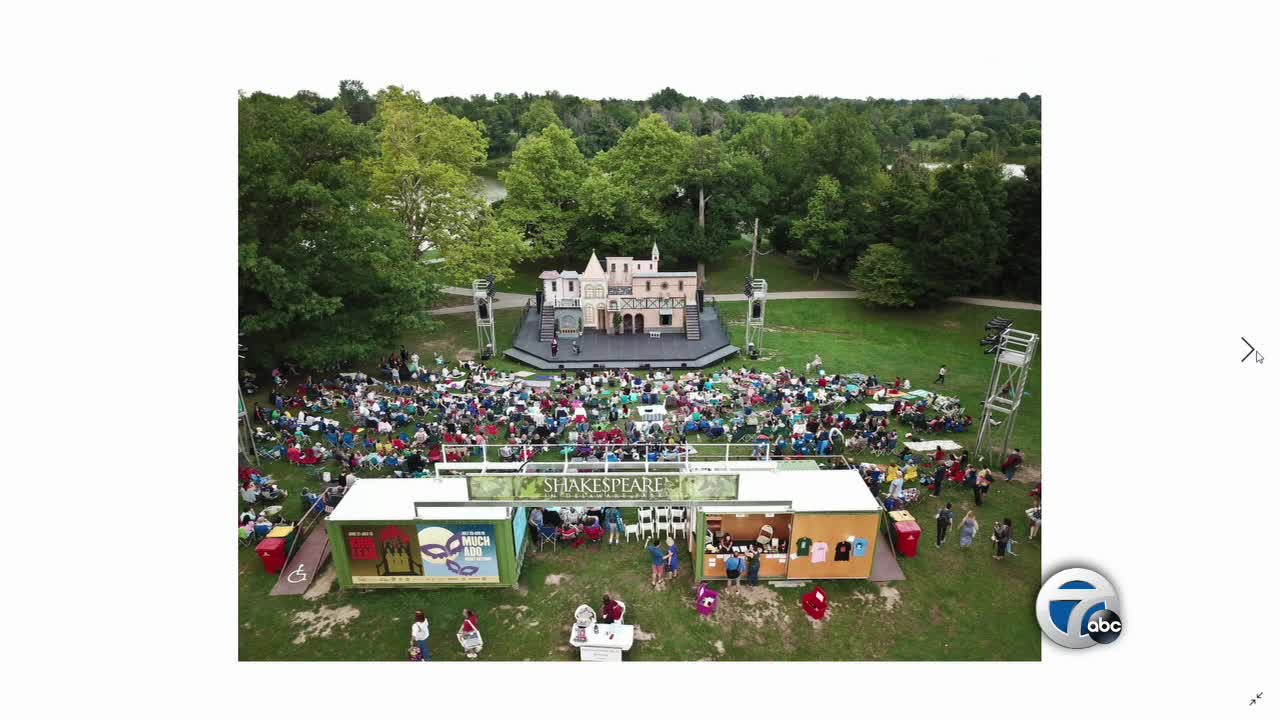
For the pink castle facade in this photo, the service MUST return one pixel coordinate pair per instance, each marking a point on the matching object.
(643, 298)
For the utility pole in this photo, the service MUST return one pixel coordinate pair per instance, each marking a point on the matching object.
(755, 240)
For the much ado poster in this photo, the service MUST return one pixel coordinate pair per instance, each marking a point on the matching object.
(458, 553)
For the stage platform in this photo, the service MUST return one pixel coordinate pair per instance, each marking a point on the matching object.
(670, 350)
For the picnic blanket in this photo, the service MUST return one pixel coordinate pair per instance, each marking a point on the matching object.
(924, 446)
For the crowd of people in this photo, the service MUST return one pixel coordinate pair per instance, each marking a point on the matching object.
(416, 415)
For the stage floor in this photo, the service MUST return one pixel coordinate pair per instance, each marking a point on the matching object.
(670, 350)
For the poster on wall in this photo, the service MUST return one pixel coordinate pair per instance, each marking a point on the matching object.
(383, 554)
(455, 553)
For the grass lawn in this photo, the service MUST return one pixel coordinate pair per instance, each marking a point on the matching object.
(954, 604)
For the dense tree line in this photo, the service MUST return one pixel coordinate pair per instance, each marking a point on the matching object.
(822, 191)
(946, 130)
(355, 208)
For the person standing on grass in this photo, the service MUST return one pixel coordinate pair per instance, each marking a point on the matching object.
(733, 568)
(658, 559)
(753, 564)
(673, 559)
(470, 626)
(419, 634)
(968, 530)
(945, 518)
(942, 376)
(980, 486)
(939, 474)
(1001, 539)
(613, 523)
(1011, 464)
(1033, 517)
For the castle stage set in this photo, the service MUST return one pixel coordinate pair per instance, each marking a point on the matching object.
(630, 315)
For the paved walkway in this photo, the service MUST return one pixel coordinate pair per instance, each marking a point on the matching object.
(501, 301)
(512, 300)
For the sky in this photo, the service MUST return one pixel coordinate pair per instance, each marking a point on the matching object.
(704, 49)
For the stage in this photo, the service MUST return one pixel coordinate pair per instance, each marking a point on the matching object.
(669, 350)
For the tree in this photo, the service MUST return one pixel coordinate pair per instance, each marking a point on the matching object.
(882, 276)
(964, 235)
(425, 171)
(845, 148)
(324, 274)
(541, 114)
(821, 232)
(481, 246)
(706, 157)
(781, 146)
(1022, 269)
(356, 102)
(543, 184)
(631, 188)
(668, 99)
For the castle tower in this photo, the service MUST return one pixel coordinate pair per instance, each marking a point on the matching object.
(654, 256)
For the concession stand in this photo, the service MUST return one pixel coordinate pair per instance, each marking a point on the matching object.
(468, 526)
(812, 525)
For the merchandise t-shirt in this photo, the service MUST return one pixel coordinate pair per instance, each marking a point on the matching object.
(842, 551)
(819, 552)
(802, 546)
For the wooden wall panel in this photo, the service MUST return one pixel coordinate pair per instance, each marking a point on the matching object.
(833, 529)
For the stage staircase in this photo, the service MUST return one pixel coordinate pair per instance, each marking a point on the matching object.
(548, 330)
(692, 323)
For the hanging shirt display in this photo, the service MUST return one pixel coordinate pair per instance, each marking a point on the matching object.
(802, 546)
(842, 551)
(859, 547)
(819, 553)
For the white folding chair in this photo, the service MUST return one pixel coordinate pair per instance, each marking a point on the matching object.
(680, 525)
(664, 520)
(647, 528)
(632, 530)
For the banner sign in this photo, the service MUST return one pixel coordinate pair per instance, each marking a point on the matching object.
(676, 487)
(425, 554)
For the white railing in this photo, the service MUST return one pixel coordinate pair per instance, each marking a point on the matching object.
(686, 457)
(568, 302)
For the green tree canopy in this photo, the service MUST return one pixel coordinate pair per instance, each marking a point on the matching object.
(543, 184)
(425, 170)
(324, 275)
(882, 275)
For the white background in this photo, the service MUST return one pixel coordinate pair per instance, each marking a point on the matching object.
(119, 284)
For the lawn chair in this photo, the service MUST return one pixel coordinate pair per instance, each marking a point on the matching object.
(632, 530)
(547, 534)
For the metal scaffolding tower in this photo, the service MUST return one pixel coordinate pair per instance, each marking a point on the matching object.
(1013, 360)
(757, 292)
(482, 293)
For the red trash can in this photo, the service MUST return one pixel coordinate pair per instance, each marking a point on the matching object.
(272, 552)
(907, 538)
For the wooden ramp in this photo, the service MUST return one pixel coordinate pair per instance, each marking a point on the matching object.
(886, 568)
(305, 564)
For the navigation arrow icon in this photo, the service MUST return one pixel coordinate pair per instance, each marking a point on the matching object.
(1252, 350)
